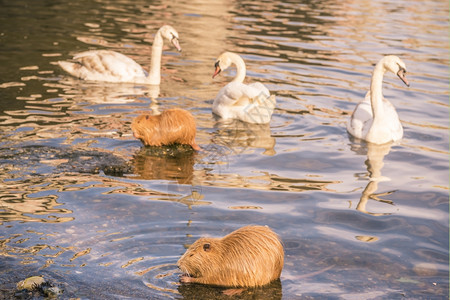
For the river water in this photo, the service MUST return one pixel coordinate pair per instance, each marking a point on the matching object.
(85, 206)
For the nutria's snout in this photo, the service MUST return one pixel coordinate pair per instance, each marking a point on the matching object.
(182, 270)
(181, 264)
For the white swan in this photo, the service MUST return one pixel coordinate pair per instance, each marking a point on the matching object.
(375, 119)
(111, 66)
(250, 103)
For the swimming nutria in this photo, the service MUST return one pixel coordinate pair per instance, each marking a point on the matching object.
(170, 127)
(248, 257)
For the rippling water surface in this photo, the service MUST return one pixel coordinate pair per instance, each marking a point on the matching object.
(84, 205)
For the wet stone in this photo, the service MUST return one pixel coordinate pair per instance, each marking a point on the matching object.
(35, 287)
(46, 159)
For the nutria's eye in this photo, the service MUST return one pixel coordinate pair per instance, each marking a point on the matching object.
(207, 247)
(146, 117)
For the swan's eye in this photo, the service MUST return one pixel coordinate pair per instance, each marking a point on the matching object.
(216, 65)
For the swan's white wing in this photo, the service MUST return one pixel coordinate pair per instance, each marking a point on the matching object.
(388, 127)
(392, 121)
(361, 119)
(104, 65)
(260, 88)
(249, 103)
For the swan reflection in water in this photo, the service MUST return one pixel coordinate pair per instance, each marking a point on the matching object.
(374, 163)
(108, 93)
(234, 133)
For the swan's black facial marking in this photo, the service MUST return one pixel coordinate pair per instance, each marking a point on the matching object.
(216, 65)
(401, 68)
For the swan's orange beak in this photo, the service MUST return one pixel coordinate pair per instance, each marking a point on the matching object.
(176, 44)
(402, 75)
(217, 71)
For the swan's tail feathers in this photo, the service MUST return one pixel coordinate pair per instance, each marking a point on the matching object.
(260, 109)
(72, 68)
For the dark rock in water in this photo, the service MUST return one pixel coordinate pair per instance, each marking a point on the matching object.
(42, 160)
(92, 161)
(47, 159)
(36, 286)
(50, 290)
(30, 283)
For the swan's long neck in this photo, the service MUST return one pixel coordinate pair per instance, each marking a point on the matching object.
(376, 90)
(240, 67)
(154, 76)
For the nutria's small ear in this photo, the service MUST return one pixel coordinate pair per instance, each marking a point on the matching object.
(207, 247)
(146, 117)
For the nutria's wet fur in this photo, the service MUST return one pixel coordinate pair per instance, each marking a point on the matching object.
(170, 127)
(248, 257)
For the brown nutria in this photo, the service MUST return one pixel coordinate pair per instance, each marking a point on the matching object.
(170, 127)
(248, 257)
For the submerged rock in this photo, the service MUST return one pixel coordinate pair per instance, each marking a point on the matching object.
(37, 286)
(50, 290)
(48, 159)
(30, 283)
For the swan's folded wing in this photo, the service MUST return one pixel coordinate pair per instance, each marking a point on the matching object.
(236, 90)
(105, 64)
(361, 119)
(248, 103)
(259, 111)
(233, 91)
(243, 100)
(260, 89)
(255, 104)
(392, 120)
